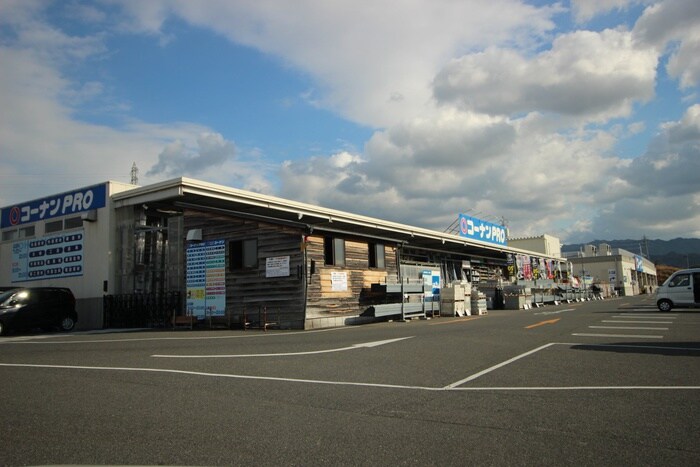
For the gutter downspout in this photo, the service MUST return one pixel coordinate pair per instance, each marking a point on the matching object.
(306, 271)
(398, 261)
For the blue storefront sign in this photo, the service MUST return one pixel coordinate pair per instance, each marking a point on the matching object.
(64, 204)
(477, 229)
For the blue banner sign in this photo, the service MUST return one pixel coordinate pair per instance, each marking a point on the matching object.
(64, 204)
(474, 228)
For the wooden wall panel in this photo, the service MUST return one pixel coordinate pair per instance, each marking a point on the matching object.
(322, 300)
(248, 291)
(292, 300)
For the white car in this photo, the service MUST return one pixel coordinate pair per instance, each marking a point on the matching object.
(681, 289)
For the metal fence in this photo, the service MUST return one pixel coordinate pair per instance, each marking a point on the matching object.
(144, 310)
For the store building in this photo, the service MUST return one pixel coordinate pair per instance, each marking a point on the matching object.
(614, 269)
(233, 256)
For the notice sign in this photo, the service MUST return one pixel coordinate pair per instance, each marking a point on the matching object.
(49, 257)
(339, 281)
(277, 266)
(206, 279)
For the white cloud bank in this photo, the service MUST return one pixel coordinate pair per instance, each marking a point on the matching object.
(480, 106)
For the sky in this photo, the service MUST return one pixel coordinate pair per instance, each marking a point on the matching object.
(578, 119)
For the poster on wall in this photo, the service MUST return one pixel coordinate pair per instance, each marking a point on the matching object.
(206, 279)
(339, 281)
(431, 285)
(50, 257)
(277, 266)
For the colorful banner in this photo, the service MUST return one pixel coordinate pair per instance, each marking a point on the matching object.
(526, 268)
(511, 262)
(206, 279)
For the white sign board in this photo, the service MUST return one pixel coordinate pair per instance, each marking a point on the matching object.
(339, 281)
(277, 266)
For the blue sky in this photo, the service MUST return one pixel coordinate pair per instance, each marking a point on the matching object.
(580, 119)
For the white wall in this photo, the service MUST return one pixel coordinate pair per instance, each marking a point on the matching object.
(98, 244)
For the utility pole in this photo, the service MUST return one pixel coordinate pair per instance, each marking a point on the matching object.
(134, 174)
(646, 245)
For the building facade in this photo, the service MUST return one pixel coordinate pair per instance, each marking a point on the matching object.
(614, 268)
(235, 257)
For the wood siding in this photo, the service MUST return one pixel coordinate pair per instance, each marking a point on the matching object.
(295, 300)
(322, 300)
(248, 291)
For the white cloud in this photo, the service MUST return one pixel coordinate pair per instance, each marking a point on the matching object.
(672, 163)
(212, 150)
(596, 76)
(685, 63)
(661, 194)
(429, 171)
(45, 149)
(514, 136)
(674, 23)
(373, 63)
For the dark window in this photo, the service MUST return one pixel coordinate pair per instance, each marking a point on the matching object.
(243, 254)
(334, 251)
(53, 226)
(26, 232)
(681, 280)
(376, 255)
(9, 235)
(73, 222)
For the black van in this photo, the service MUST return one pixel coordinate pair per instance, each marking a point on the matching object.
(37, 307)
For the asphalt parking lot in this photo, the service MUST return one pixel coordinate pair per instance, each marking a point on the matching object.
(594, 383)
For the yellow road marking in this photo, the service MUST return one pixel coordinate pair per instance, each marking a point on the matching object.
(542, 323)
(460, 320)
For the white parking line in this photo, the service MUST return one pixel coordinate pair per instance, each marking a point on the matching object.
(645, 316)
(495, 367)
(641, 328)
(636, 322)
(26, 339)
(555, 312)
(451, 387)
(631, 336)
(350, 383)
(290, 354)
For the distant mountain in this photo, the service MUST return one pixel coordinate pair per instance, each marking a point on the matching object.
(679, 252)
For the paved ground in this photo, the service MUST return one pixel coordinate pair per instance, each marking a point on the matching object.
(597, 383)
